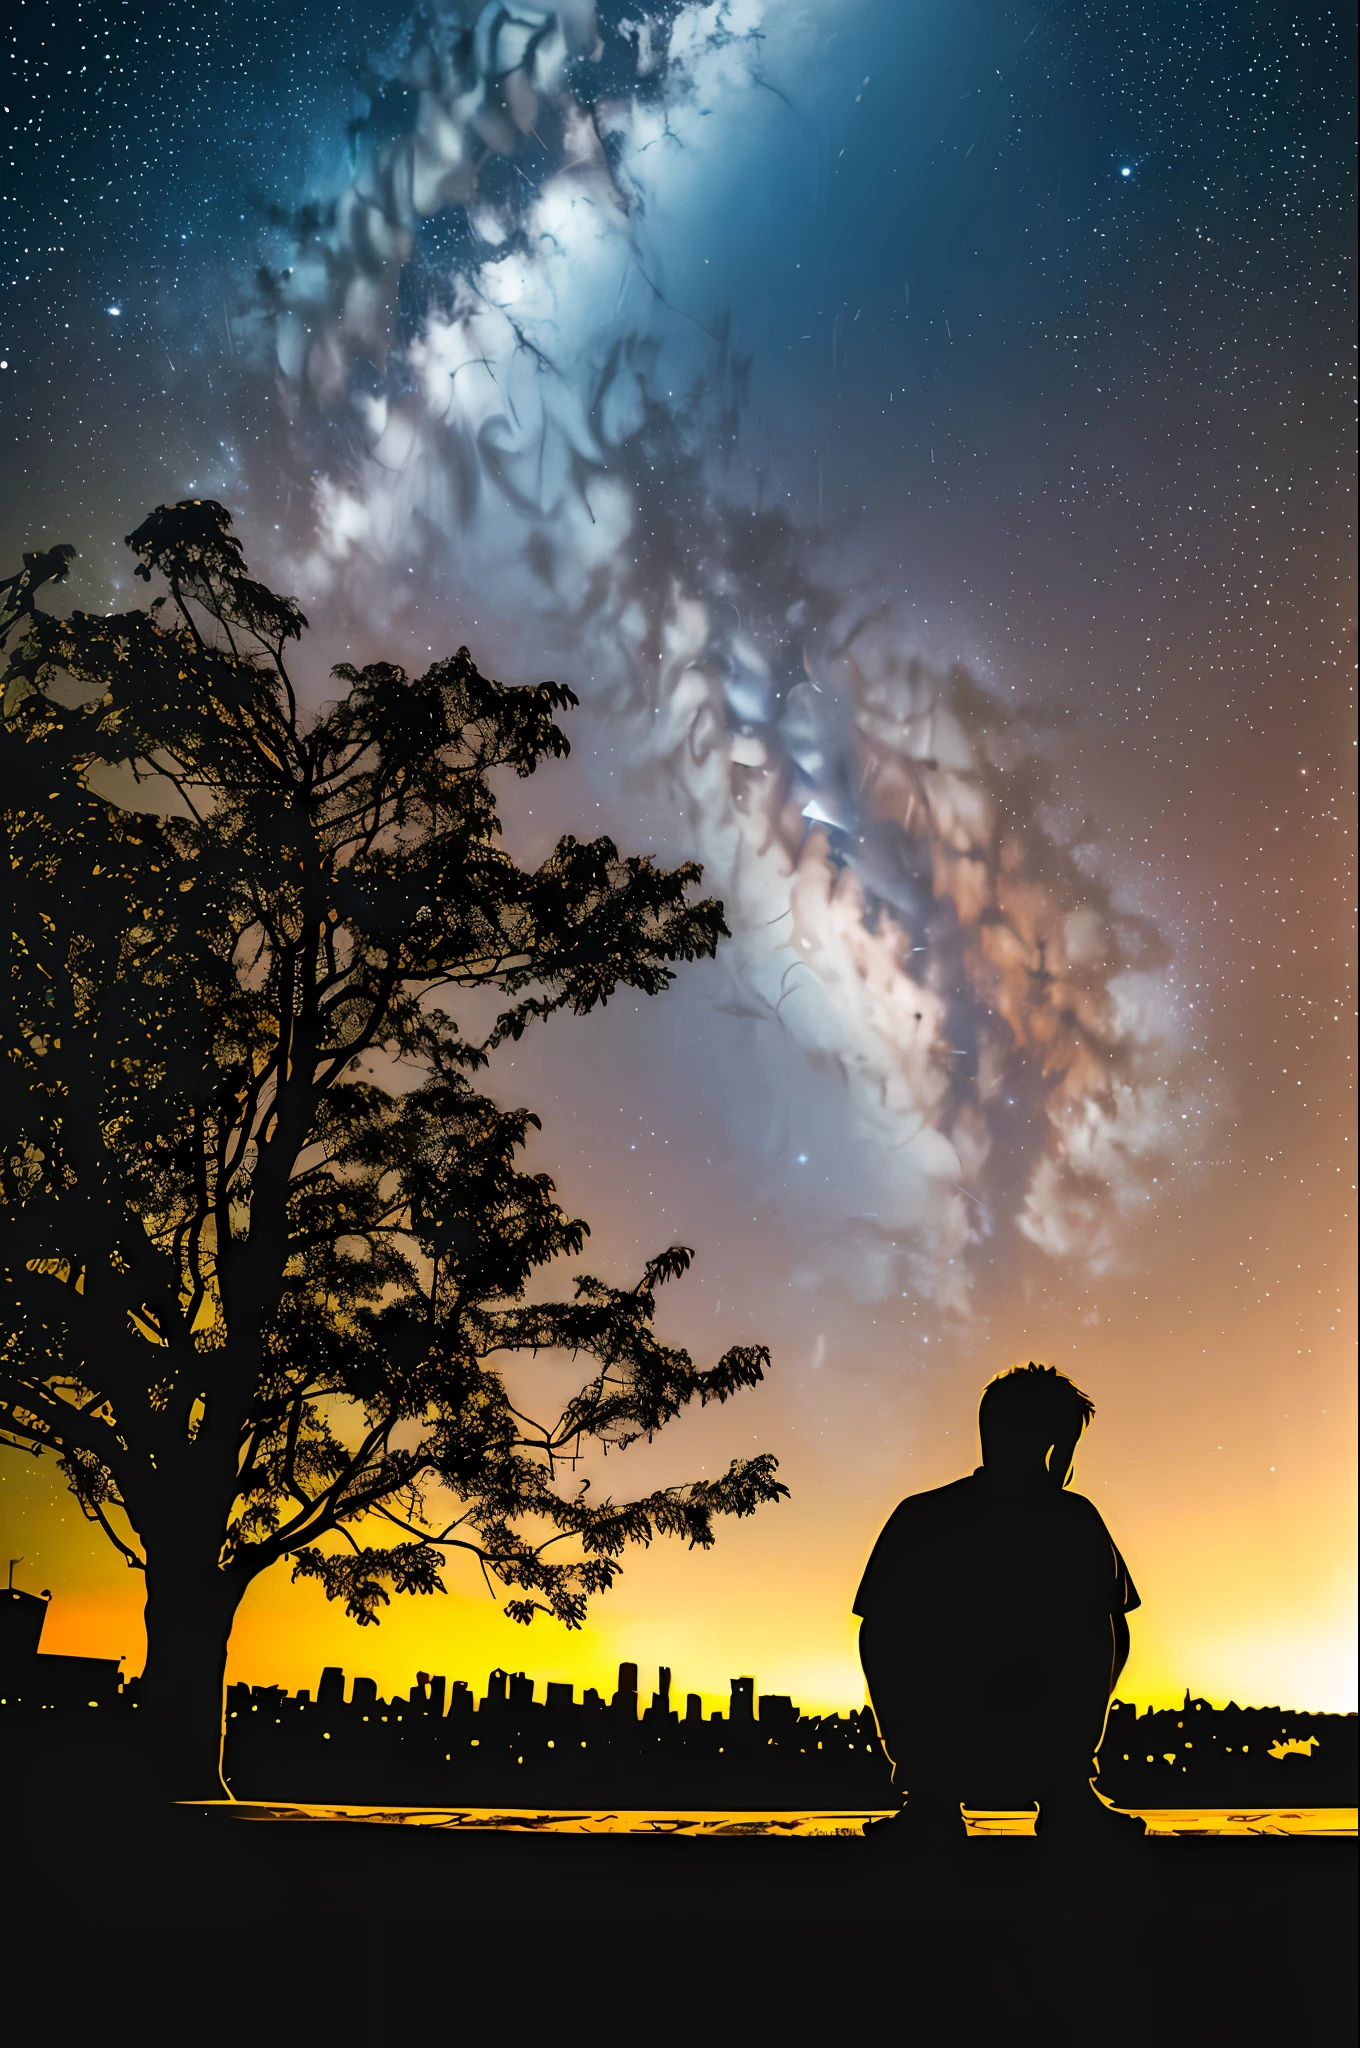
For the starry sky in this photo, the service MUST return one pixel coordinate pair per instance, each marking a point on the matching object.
(923, 435)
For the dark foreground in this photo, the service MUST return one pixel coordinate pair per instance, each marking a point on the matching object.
(203, 1924)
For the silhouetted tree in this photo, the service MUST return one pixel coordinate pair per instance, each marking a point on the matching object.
(253, 1289)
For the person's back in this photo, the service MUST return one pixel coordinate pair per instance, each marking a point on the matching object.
(993, 1620)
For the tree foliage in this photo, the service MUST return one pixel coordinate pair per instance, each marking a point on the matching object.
(264, 1241)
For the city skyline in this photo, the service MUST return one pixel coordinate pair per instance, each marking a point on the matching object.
(437, 1742)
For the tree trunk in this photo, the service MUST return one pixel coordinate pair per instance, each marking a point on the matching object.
(189, 1614)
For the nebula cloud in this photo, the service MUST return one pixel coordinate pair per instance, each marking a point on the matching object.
(471, 334)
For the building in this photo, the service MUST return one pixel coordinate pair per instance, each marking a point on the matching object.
(30, 1676)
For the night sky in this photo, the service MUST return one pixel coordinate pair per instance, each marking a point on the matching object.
(923, 435)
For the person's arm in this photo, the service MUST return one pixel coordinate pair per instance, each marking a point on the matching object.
(880, 1604)
(1126, 1599)
(880, 1653)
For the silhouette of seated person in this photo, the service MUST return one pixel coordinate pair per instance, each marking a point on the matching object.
(994, 1627)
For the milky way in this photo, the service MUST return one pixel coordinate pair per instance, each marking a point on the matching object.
(901, 905)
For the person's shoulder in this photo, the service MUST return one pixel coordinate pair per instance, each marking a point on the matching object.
(1100, 1547)
(1084, 1513)
(1080, 1504)
(916, 1530)
(926, 1510)
(938, 1499)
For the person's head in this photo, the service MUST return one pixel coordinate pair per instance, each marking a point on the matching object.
(1030, 1420)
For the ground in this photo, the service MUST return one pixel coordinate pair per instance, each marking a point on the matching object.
(202, 1924)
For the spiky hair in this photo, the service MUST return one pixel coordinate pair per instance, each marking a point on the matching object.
(1034, 1390)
